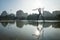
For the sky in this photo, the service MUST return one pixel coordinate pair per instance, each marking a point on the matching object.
(11, 6)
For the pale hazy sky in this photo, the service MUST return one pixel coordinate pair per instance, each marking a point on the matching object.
(11, 6)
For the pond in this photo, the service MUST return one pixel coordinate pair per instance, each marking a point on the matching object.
(29, 30)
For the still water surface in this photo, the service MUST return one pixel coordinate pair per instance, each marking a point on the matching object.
(28, 30)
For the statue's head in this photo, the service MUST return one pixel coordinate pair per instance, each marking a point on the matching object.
(39, 10)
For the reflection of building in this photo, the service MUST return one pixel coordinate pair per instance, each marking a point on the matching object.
(47, 24)
(19, 24)
(20, 14)
(56, 25)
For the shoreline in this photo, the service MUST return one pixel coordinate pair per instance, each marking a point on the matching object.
(31, 20)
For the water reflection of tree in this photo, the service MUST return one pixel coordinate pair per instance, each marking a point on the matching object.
(19, 23)
(12, 22)
(4, 23)
(45, 24)
(56, 25)
(33, 23)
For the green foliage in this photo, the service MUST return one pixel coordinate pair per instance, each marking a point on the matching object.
(32, 17)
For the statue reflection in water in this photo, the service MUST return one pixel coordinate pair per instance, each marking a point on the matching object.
(38, 31)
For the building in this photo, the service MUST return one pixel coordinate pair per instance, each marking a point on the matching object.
(20, 14)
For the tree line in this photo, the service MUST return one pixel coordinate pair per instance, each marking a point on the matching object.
(20, 15)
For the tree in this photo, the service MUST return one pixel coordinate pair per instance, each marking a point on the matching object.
(4, 24)
(4, 15)
(11, 16)
(32, 17)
